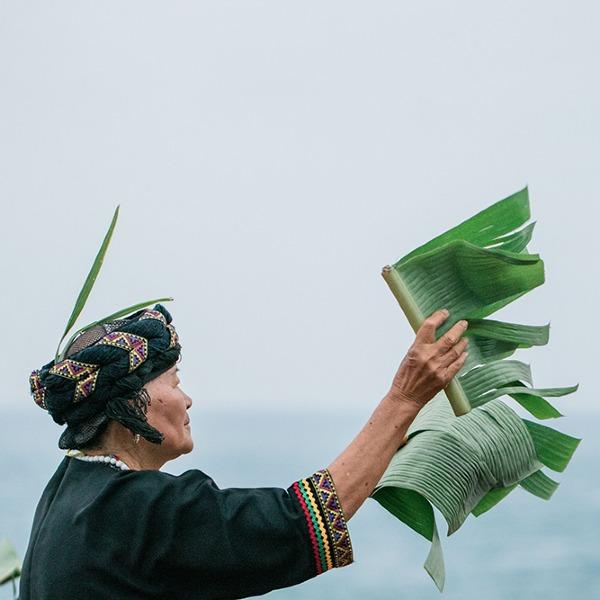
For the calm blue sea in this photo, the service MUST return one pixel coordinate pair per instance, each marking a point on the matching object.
(525, 548)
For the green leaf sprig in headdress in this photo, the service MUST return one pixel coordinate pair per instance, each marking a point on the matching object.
(87, 288)
(10, 565)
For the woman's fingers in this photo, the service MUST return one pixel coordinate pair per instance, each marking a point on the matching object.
(430, 364)
(450, 338)
(454, 353)
(456, 366)
(426, 332)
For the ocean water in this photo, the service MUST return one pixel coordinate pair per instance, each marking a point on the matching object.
(525, 548)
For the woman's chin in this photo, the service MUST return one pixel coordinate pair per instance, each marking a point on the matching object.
(189, 444)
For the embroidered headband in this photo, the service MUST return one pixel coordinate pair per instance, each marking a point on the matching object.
(101, 372)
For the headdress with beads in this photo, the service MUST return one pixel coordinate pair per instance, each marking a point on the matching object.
(101, 372)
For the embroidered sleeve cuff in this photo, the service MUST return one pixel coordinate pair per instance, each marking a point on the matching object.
(327, 528)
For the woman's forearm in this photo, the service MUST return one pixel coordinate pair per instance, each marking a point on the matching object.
(427, 368)
(359, 467)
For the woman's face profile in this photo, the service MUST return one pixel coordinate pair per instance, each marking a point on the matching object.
(167, 412)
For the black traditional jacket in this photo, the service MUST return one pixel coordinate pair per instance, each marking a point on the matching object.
(102, 533)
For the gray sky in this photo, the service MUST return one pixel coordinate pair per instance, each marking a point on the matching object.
(270, 158)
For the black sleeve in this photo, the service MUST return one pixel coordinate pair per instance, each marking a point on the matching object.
(240, 542)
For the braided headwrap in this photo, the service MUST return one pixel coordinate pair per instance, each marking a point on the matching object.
(103, 375)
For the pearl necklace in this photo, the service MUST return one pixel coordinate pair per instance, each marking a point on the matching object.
(109, 460)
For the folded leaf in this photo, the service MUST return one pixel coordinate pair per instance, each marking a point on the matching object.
(552, 447)
(486, 226)
(480, 380)
(434, 564)
(524, 336)
(515, 242)
(540, 485)
(408, 506)
(492, 498)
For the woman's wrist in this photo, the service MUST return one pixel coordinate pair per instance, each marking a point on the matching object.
(409, 407)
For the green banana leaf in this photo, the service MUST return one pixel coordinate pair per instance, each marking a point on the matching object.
(10, 566)
(464, 456)
(473, 270)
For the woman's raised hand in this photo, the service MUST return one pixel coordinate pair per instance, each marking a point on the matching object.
(430, 364)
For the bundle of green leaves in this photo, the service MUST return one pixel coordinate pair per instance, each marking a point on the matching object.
(467, 449)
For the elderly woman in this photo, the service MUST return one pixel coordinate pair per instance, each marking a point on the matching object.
(111, 525)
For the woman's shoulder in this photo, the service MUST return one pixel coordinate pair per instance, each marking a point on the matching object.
(102, 484)
(164, 478)
(151, 485)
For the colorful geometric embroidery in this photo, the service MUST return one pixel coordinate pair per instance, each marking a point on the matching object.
(38, 391)
(334, 517)
(325, 521)
(136, 345)
(153, 314)
(85, 374)
(174, 337)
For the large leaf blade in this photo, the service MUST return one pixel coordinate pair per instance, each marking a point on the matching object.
(554, 448)
(484, 227)
(449, 476)
(408, 506)
(493, 497)
(491, 340)
(467, 279)
(416, 512)
(479, 381)
(453, 462)
(523, 335)
(516, 388)
(434, 564)
(540, 485)
(515, 242)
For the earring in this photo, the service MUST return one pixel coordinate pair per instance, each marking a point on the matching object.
(136, 438)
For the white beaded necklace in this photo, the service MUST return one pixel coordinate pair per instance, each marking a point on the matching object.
(109, 460)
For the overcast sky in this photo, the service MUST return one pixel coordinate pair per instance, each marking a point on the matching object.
(269, 158)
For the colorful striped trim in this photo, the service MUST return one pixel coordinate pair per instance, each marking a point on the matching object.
(309, 524)
(325, 521)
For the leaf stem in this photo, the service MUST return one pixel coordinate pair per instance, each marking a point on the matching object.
(456, 395)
